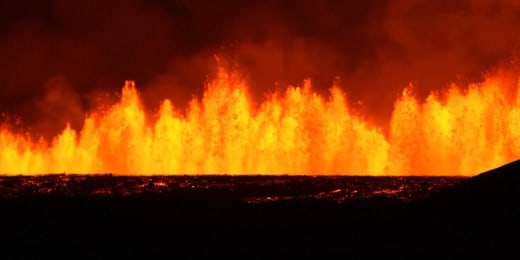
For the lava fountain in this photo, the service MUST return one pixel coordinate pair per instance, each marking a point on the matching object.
(461, 131)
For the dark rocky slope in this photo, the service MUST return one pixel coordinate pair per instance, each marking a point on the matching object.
(479, 217)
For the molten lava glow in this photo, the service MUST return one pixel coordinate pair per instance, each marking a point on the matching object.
(296, 132)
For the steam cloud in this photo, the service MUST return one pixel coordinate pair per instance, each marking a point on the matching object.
(59, 56)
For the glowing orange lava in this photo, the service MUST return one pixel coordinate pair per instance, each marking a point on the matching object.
(296, 132)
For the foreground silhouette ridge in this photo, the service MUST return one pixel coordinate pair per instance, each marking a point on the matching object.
(497, 188)
(477, 217)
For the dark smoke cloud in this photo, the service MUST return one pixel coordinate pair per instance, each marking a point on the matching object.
(57, 56)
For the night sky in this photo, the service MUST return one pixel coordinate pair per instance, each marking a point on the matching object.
(60, 58)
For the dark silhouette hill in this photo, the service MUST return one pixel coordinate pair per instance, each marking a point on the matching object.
(495, 188)
(479, 217)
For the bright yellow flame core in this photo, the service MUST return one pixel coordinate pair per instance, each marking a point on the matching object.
(296, 132)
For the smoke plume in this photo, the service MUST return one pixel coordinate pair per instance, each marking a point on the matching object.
(59, 56)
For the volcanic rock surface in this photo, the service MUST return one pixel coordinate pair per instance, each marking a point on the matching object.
(476, 217)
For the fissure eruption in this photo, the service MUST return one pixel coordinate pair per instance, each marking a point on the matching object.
(461, 131)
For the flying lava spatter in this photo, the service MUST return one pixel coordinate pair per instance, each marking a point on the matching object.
(460, 132)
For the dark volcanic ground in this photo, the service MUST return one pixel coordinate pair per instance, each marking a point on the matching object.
(263, 216)
(248, 189)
